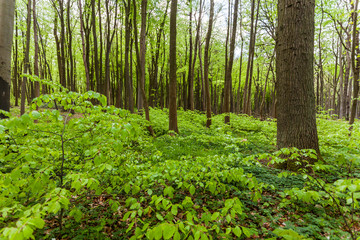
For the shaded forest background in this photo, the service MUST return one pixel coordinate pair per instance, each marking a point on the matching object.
(92, 45)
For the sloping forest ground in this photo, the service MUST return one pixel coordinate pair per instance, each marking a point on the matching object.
(99, 175)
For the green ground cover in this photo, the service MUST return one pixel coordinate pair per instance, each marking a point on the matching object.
(98, 174)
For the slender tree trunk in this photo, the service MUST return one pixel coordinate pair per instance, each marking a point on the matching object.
(85, 57)
(101, 87)
(16, 63)
(247, 109)
(228, 74)
(129, 103)
(26, 58)
(206, 65)
(71, 75)
(95, 42)
(109, 40)
(141, 58)
(173, 125)
(355, 62)
(190, 80)
(191, 101)
(250, 57)
(36, 52)
(264, 92)
(347, 78)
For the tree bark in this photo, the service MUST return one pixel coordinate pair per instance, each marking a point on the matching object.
(85, 57)
(7, 10)
(296, 122)
(206, 65)
(36, 52)
(355, 62)
(230, 65)
(26, 58)
(173, 125)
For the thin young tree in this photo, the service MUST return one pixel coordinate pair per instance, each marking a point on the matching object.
(228, 75)
(26, 58)
(296, 122)
(141, 58)
(355, 61)
(206, 65)
(173, 126)
(7, 10)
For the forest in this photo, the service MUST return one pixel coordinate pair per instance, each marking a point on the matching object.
(179, 119)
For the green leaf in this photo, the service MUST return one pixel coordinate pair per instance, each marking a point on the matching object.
(127, 188)
(150, 192)
(158, 216)
(2, 129)
(27, 232)
(246, 231)
(237, 231)
(168, 231)
(197, 235)
(177, 236)
(35, 115)
(192, 189)
(158, 231)
(37, 222)
(135, 189)
(174, 210)
(287, 234)
(214, 216)
(204, 236)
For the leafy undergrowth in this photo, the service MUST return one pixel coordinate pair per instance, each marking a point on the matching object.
(99, 175)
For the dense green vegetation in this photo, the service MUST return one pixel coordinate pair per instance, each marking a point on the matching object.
(97, 174)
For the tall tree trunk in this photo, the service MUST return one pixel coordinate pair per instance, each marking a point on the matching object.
(36, 52)
(190, 80)
(109, 40)
(173, 125)
(228, 73)
(26, 58)
(129, 103)
(296, 122)
(347, 77)
(70, 58)
(192, 73)
(264, 92)
(95, 42)
(16, 64)
(206, 65)
(7, 9)
(101, 87)
(141, 58)
(85, 57)
(355, 62)
(247, 101)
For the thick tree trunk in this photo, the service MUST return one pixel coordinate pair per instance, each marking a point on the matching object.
(7, 10)
(173, 126)
(296, 122)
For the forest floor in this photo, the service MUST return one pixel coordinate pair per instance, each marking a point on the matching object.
(101, 176)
